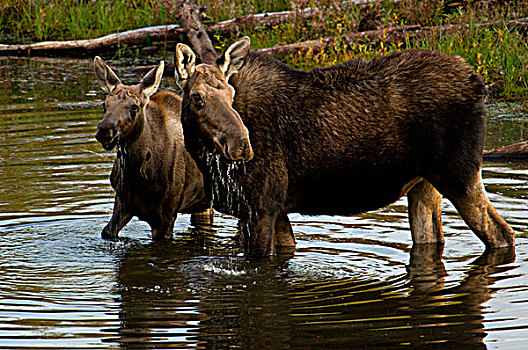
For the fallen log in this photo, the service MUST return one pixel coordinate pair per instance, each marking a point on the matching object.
(273, 18)
(513, 151)
(157, 33)
(173, 31)
(388, 35)
(165, 32)
(131, 37)
(393, 34)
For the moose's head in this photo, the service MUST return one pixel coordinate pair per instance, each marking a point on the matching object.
(124, 106)
(208, 98)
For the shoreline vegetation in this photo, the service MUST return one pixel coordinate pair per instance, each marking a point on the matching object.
(479, 31)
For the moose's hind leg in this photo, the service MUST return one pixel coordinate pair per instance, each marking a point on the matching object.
(425, 214)
(203, 219)
(479, 214)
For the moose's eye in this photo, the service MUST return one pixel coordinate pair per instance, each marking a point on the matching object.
(133, 110)
(197, 99)
(104, 107)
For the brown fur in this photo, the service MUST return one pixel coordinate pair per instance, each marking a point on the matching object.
(348, 139)
(153, 175)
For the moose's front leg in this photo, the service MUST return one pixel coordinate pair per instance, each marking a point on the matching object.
(258, 234)
(284, 232)
(164, 228)
(120, 217)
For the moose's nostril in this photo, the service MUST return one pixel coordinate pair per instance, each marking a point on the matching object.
(105, 134)
(248, 150)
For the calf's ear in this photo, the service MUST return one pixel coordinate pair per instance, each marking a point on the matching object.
(184, 62)
(108, 80)
(234, 57)
(151, 81)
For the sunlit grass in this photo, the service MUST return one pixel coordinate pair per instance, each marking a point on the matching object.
(495, 53)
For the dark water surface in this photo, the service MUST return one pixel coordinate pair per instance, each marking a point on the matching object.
(353, 282)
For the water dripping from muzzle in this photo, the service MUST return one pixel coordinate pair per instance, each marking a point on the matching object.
(225, 187)
(121, 161)
(228, 192)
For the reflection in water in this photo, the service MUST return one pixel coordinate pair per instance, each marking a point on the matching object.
(175, 299)
(347, 285)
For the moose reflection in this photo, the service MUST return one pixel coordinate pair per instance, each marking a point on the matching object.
(168, 296)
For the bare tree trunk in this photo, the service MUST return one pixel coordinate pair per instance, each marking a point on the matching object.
(188, 15)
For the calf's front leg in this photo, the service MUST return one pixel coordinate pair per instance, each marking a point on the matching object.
(120, 217)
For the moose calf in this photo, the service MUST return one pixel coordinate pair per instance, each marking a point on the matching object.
(340, 140)
(153, 175)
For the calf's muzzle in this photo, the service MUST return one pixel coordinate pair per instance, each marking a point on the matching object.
(107, 135)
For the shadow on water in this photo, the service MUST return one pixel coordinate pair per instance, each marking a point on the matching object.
(175, 297)
(352, 282)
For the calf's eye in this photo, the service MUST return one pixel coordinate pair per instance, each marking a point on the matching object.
(197, 99)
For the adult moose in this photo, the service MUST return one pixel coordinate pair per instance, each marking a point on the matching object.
(341, 140)
(153, 175)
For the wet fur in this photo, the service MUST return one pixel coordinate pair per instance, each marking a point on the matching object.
(348, 138)
(159, 178)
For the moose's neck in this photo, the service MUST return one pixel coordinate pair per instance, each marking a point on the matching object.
(265, 81)
(138, 130)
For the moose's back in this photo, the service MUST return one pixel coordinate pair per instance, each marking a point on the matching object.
(351, 136)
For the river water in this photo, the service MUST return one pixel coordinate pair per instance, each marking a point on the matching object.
(353, 282)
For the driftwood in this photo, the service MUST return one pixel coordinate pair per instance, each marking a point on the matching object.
(274, 18)
(516, 150)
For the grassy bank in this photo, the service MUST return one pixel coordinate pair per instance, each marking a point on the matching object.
(497, 53)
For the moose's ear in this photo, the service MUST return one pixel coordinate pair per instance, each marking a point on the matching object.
(234, 57)
(184, 61)
(151, 81)
(108, 80)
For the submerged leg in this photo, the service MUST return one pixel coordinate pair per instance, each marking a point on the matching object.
(202, 219)
(480, 215)
(425, 213)
(284, 232)
(164, 230)
(120, 217)
(258, 234)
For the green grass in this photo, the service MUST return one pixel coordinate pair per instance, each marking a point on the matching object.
(40, 20)
(495, 53)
